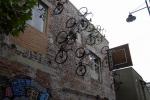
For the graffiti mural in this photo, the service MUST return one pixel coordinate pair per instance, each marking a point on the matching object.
(22, 88)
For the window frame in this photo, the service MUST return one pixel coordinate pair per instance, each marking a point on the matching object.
(97, 66)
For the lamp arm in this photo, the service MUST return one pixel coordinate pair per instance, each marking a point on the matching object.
(148, 7)
(137, 10)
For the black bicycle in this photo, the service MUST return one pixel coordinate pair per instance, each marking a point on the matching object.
(77, 26)
(59, 6)
(62, 54)
(66, 37)
(83, 12)
(94, 38)
(81, 68)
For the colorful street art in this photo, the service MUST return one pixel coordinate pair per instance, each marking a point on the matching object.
(22, 88)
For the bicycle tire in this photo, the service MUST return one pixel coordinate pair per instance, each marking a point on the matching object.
(104, 49)
(61, 37)
(82, 11)
(81, 70)
(58, 9)
(80, 52)
(61, 57)
(90, 40)
(71, 22)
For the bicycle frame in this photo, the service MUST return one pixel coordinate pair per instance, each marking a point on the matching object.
(81, 68)
(64, 37)
(59, 7)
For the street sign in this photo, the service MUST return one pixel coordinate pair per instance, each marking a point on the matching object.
(119, 57)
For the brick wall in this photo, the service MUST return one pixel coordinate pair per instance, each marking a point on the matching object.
(62, 79)
(33, 40)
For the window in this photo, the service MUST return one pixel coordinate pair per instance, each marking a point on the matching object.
(95, 67)
(96, 62)
(39, 16)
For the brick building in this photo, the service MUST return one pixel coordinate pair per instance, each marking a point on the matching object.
(31, 67)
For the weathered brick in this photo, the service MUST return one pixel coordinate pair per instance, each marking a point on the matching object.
(43, 78)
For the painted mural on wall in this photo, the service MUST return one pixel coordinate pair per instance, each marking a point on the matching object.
(22, 88)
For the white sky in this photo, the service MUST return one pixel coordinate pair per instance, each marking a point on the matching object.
(112, 15)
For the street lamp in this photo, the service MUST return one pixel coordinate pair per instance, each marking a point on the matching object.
(132, 18)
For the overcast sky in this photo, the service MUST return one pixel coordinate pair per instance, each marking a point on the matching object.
(111, 15)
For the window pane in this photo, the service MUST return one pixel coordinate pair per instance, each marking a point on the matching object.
(38, 17)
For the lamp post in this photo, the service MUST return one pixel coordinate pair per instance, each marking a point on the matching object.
(132, 18)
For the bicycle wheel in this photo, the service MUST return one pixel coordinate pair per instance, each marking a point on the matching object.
(90, 40)
(81, 70)
(61, 57)
(58, 9)
(61, 37)
(104, 50)
(80, 52)
(71, 22)
(82, 11)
